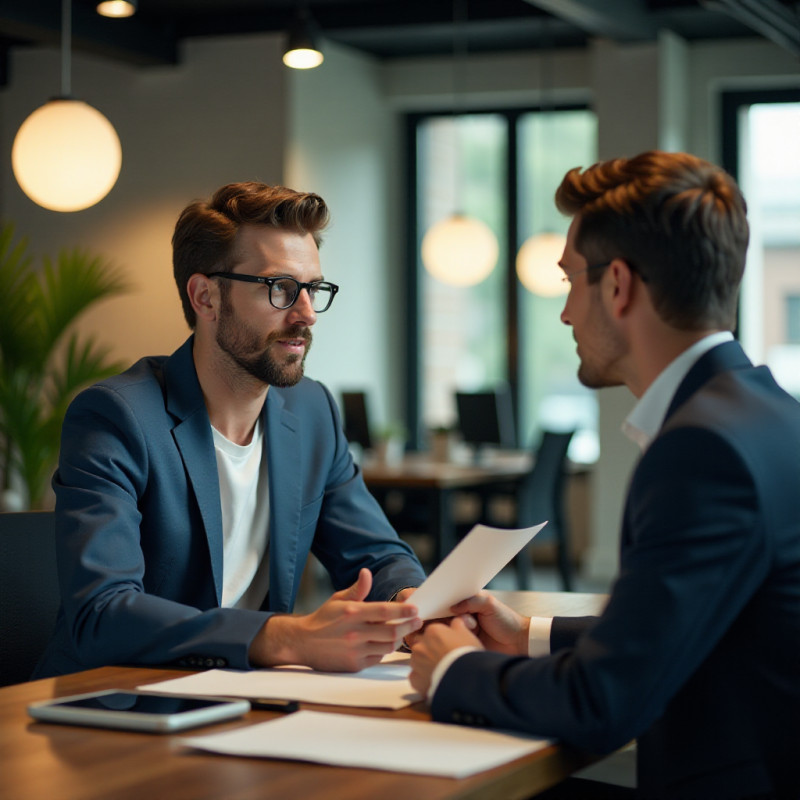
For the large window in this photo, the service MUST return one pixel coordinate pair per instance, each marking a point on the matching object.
(761, 143)
(501, 168)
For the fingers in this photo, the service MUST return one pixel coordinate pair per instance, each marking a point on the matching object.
(478, 604)
(359, 590)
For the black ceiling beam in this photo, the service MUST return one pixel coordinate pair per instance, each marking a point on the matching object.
(127, 40)
(769, 18)
(622, 20)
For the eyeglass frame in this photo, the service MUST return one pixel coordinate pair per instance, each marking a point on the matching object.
(567, 277)
(270, 282)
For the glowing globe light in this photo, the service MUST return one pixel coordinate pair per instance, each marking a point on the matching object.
(66, 155)
(460, 251)
(537, 265)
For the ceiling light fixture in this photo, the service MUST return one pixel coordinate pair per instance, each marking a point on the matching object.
(66, 155)
(459, 250)
(117, 8)
(303, 50)
(537, 259)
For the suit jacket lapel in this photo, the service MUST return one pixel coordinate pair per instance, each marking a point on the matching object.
(285, 491)
(192, 434)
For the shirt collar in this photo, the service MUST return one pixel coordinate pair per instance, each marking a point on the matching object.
(647, 416)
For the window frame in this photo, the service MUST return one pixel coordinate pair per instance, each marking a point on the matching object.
(414, 267)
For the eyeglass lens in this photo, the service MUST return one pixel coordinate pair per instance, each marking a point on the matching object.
(284, 292)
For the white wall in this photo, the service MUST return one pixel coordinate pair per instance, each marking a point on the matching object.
(344, 143)
(185, 130)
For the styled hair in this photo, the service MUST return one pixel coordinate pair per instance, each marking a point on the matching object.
(204, 237)
(678, 221)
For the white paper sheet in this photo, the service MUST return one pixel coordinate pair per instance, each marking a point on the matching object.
(425, 748)
(383, 686)
(469, 566)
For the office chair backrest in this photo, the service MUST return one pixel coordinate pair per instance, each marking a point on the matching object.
(355, 419)
(29, 591)
(541, 492)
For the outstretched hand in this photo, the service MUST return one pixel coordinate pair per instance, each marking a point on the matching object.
(345, 634)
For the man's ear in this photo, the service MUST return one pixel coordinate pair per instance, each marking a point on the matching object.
(204, 296)
(621, 287)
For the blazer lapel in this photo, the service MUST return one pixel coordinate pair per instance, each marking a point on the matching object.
(285, 491)
(192, 435)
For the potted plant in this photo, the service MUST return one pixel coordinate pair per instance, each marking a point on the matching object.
(390, 443)
(43, 360)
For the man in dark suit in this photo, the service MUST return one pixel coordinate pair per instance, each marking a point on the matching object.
(697, 654)
(191, 489)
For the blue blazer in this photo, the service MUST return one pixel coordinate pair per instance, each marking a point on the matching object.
(698, 651)
(139, 527)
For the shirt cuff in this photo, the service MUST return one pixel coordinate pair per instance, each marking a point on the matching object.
(539, 636)
(444, 665)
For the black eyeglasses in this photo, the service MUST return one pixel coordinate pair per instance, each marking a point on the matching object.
(284, 291)
(570, 275)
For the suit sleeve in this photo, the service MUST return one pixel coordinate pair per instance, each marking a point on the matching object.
(353, 531)
(696, 555)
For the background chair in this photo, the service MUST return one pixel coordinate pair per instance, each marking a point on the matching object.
(29, 591)
(539, 497)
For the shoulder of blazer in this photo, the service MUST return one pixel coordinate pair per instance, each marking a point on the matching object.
(722, 358)
(182, 394)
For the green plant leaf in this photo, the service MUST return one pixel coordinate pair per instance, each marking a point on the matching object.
(42, 362)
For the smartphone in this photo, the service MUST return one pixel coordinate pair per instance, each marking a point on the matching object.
(137, 711)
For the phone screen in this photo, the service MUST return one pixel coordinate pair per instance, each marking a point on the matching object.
(136, 711)
(142, 703)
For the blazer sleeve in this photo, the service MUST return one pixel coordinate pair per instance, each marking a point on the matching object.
(353, 531)
(695, 554)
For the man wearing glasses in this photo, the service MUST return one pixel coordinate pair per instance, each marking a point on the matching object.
(697, 654)
(192, 488)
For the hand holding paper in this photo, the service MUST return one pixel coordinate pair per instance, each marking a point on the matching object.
(477, 558)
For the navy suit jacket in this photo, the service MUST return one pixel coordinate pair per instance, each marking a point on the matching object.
(698, 651)
(139, 526)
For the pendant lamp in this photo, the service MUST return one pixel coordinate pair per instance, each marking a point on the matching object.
(459, 250)
(303, 49)
(537, 264)
(66, 155)
(537, 259)
(117, 8)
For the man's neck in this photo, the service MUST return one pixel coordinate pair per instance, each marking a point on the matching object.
(233, 400)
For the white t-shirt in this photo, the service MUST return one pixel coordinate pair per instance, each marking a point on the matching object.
(244, 496)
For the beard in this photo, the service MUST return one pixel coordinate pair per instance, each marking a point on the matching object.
(254, 354)
(598, 368)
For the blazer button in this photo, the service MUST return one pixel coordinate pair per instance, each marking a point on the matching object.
(208, 662)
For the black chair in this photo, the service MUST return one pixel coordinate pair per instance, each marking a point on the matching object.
(539, 497)
(29, 591)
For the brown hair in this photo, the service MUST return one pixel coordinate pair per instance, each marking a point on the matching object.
(205, 232)
(680, 223)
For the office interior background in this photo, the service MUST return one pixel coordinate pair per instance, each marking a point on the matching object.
(394, 140)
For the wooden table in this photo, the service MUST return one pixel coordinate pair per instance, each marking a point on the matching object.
(60, 761)
(419, 473)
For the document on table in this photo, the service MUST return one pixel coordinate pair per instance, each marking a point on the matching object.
(383, 686)
(469, 566)
(397, 745)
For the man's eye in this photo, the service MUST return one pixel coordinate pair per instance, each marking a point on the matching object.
(283, 287)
